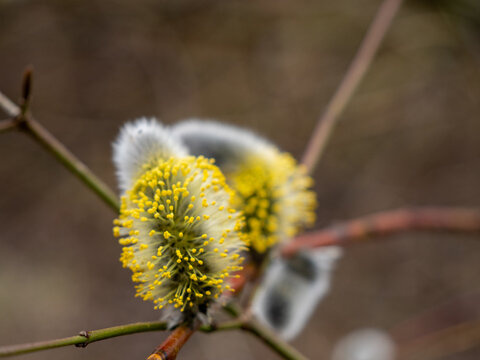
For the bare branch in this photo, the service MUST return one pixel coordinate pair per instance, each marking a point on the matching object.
(70, 161)
(7, 125)
(8, 106)
(24, 121)
(350, 81)
(442, 343)
(84, 338)
(388, 222)
(272, 340)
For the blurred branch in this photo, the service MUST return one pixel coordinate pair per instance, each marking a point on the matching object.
(278, 345)
(355, 73)
(389, 222)
(420, 336)
(24, 121)
(443, 343)
(7, 125)
(8, 106)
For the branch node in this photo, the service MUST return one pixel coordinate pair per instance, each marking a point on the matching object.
(86, 335)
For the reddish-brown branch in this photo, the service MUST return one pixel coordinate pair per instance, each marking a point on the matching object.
(169, 349)
(388, 222)
(243, 276)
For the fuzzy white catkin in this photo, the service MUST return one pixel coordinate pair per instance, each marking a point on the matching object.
(225, 143)
(292, 288)
(365, 344)
(140, 142)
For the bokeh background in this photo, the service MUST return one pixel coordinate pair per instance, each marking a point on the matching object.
(410, 136)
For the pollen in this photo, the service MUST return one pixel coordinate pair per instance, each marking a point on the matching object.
(166, 221)
(273, 192)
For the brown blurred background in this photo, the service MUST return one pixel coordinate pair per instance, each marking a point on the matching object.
(410, 136)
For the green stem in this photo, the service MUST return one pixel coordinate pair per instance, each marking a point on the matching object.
(85, 338)
(355, 73)
(24, 121)
(232, 309)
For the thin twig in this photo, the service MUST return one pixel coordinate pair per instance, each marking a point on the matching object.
(7, 125)
(8, 106)
(442, 343)
(278, 345)
(454, 311)
(169, 349)
(70, 161)
(442, 330)
(24, 121)
(388, 222)
(84, 338)
(360, 64)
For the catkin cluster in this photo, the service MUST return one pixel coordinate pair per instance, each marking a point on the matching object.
(185, 222)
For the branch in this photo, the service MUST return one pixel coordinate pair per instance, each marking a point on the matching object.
(84, 338)
(24, 121)
(440, 331)
(389, 222)
(7, 125)
(443, 343)
(70, 161)
(355, 73)
(8, 106)
(270, 339)
(169, 349)
(278, 345)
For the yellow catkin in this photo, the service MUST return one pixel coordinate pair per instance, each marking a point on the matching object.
(168, 217)
(273, 193)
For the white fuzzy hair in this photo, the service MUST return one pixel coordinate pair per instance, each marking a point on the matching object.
(292, 288)
(365, 344)
(227, 144)
(140, 142)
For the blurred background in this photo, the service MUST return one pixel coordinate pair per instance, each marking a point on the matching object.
(410, 136)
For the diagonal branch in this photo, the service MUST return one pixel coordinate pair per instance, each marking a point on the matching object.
(70, 161)
(7, 105)
(278, 345)
(389, 222)
(442, 343)
(7, 125)
(441, 331)
(24, 121)
(355, 73)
